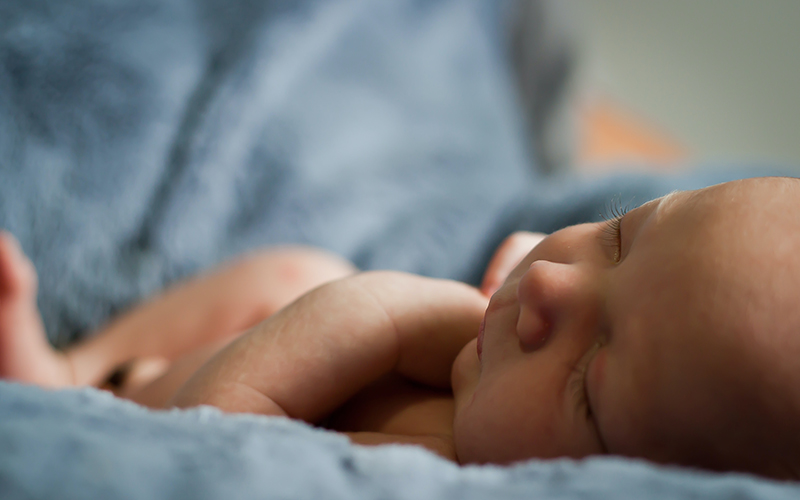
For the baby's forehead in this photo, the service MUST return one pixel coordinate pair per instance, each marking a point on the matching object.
(765, 192)
(756, 214)
(666, 202)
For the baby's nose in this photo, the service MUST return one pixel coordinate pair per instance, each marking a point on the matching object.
(545, 293)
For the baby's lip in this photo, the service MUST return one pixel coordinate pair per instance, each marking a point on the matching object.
(480, 337)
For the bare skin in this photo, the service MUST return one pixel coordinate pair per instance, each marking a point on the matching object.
(25, 353)
(178, 329)
(667, 334)
(167, 338)
(370, 354)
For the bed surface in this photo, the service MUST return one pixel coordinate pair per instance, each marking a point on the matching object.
(143, 140)
(94, 446)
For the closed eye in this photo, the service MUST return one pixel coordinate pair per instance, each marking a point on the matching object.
(611, 234)
(611, 237)
(577, 383)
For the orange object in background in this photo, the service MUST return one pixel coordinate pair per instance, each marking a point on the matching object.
(612, 138)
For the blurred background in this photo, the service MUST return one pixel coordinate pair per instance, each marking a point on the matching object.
(666, 81)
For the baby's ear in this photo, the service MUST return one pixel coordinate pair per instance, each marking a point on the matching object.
(506, 257)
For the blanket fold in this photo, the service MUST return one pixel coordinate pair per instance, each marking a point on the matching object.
(144, 140)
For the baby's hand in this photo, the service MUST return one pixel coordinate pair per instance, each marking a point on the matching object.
(312, 356)
(433, 320)
(506, 257)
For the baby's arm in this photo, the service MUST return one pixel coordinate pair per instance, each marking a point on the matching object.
(206, 309)
(312, 356)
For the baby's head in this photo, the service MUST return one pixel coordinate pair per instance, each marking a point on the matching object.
(672, 333)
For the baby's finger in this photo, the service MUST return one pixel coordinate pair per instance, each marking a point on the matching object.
(508, 255)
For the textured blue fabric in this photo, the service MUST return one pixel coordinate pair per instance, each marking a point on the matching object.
(142, 140)
(85, 444)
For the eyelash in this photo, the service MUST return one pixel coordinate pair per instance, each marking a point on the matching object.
(578, 383)
(613, 214)
(578, 386)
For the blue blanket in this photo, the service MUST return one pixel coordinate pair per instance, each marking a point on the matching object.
(143, 140)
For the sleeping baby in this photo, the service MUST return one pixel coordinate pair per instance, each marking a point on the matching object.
(668, 333)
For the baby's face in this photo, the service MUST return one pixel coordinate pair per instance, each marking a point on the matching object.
(636, 336)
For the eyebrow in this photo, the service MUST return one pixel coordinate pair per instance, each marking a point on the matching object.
(665, 202)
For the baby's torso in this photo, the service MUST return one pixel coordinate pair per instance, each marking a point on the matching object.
(394, 410)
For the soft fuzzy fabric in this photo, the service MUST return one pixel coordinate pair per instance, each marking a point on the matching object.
(143, 140)
(85, 444)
